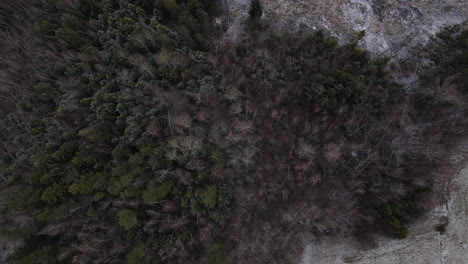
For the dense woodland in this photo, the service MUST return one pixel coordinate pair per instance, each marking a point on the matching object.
(132, 133)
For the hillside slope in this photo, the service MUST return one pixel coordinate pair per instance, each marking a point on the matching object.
(392, 27)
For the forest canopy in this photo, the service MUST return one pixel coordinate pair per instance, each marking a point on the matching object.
(132, 133)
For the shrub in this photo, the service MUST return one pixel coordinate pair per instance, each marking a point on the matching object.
(136, 159)
(86, 184)
(51, 175)
(256, 9)
(224, 194)
(44, 255)
(399, 230)
(209, 197)
(121, 152)
(31, 198)
(156, 193)
(171, 8)
(332, 89)
(92, 212)
(217, 254)
(72, 37)
(99, 196)
(158, 159)
(45, 89)
(46, 29)
(74, 188)
(127, 219)
(136, 255)
(217, 158)
(146, 146)
(114, 187)
(66, 152)
(35, 250)
(85, 157)
(394, 213)
(126, 179)
(89, 8)
(53, 213)
(129, 192)
(53, 193)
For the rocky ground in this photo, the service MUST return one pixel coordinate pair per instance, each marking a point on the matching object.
(393, 27)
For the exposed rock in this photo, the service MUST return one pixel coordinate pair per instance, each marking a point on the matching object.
(393, 27)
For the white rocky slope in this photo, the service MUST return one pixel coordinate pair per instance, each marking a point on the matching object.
(393, 27)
